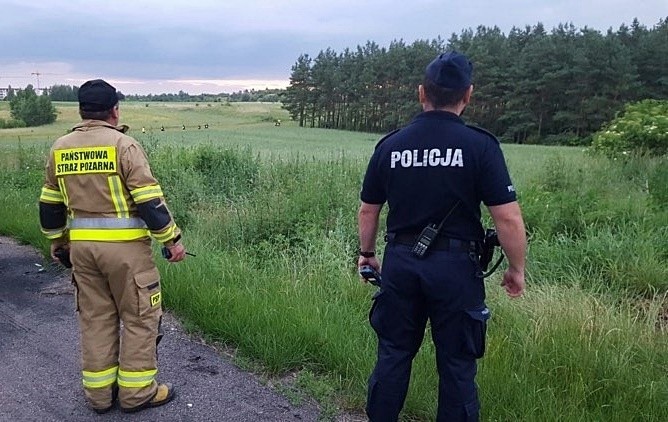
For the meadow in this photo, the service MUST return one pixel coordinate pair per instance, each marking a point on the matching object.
(270, 212)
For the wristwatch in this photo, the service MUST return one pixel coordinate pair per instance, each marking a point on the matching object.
(367, 254)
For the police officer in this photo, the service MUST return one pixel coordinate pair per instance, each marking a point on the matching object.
(101, 202)
(436, 172)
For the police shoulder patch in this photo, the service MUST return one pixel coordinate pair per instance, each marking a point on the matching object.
(484, 131)
(385, 137)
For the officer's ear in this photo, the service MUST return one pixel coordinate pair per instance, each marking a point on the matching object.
(467, 95)
(115, 113)
(421, 95)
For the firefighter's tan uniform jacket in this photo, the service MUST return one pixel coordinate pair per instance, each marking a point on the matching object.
(101, 195)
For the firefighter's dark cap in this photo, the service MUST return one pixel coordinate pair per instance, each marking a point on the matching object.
(97, 95)
(451, 70)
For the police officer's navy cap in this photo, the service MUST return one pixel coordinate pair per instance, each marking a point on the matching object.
(450, 70)
(97, 95)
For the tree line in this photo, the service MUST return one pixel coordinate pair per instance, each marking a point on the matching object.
(266, 95)
(530, 85)
(69, 93)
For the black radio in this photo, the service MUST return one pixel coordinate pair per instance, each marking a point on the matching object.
(424, 240)
(370, 274)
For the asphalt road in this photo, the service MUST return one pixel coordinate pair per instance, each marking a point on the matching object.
(40, 378)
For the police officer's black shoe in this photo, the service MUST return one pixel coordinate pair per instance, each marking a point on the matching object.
(163, 395)
(114, 396)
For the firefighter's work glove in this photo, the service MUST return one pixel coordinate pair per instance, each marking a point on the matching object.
(60, 252)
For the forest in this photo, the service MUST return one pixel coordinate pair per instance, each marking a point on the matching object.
(530, 85)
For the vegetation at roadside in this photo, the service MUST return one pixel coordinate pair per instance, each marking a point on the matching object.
(271, 214)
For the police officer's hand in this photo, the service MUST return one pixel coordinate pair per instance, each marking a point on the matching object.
(374, 262)
(177, 251)
(513, 282)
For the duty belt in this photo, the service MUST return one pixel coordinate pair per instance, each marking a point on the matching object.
(107, 229)
(440, 243)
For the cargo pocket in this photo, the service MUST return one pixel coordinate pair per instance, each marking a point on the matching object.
(474, 323)
(148, 291)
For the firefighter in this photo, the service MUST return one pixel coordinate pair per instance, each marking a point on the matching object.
(101, 203)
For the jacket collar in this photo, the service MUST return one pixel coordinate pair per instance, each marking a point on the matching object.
(94, 124)
(439, 115)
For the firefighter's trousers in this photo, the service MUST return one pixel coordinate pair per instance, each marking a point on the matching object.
(119, 306)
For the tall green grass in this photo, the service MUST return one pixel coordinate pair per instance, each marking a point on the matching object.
(274, 230)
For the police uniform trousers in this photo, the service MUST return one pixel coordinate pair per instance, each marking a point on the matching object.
(442, 287)
(117, 282)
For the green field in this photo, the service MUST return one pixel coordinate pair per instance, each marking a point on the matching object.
(271, 214)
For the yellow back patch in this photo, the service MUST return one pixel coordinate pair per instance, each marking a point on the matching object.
(85, 160)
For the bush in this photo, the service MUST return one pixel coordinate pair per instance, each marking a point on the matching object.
(31, 109)
(11, 123)
(226, 173)
(642, 128)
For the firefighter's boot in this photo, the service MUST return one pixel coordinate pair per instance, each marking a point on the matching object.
(163, 395)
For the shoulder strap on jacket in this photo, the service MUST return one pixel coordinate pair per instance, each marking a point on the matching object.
(484, 131)
(385, 137)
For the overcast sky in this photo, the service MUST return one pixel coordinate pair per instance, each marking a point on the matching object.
(156, 46)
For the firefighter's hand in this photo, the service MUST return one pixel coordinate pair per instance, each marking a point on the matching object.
(57, 245)
(177, 252)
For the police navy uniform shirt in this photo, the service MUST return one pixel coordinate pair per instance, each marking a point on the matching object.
(423, 169)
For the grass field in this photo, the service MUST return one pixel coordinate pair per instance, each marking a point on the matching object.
(271, 214)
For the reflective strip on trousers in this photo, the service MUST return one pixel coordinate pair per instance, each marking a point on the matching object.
(100, 379)
(136, 379)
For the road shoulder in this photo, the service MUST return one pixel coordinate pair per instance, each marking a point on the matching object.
(39, 342)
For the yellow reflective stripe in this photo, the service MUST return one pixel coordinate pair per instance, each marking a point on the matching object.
(100, 379)
(165, 236)
(117, 197)
(136, 379)
(108, 235)
(63, 191)
(146, 193)
(51, 195)
(53, 234)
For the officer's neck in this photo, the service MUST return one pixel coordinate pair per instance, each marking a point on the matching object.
(458, 109)
(113, 121)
